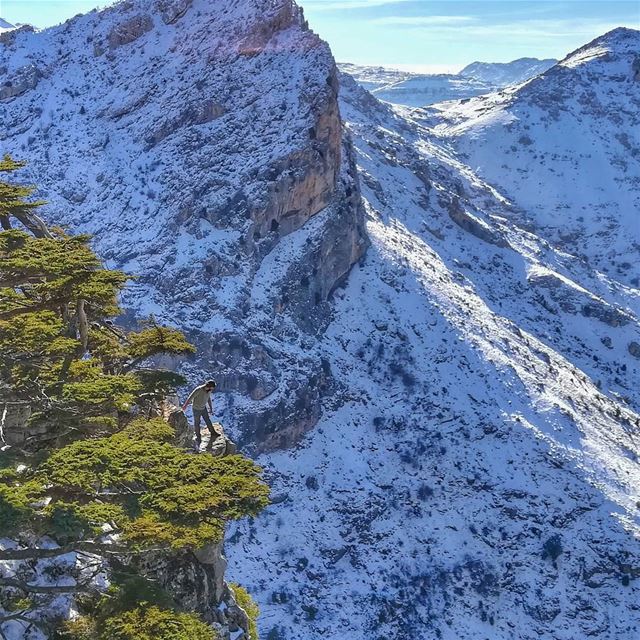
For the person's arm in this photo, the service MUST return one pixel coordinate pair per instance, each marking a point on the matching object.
(189, 399)
(210, 405)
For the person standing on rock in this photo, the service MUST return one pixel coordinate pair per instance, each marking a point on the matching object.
(201, 397)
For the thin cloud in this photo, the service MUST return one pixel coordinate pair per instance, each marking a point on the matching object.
(424, 21)
(468, 26)
(335, 5)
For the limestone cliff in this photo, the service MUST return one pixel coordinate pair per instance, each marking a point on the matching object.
(201, 143)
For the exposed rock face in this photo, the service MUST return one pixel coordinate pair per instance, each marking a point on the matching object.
(14, 423)
(195, 580)
(214, 145)
(129, 30)
(7, 37)
(21, 81)
(474, 225)
(172, 10)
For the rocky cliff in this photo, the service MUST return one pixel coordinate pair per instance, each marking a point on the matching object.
(201, 143)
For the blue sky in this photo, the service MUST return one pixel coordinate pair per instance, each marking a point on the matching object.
(428, 35)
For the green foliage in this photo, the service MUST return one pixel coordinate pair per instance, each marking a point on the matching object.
(13, 197)
(144, 488)
(142, 623)
(154, 430)
(129, 591)
(82, 628)
(246, 602)
(126, 592)
(17, 603)
(157, 383)
(16, 499)
(88, 385)
(134, 608)
(59, 348)
(156, 339)
(153, 623)
(50, 273)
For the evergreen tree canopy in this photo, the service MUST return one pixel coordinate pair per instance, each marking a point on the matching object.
(147, 491)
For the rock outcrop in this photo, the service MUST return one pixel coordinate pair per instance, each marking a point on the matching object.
(15, 430)
(195, 580)
(21, 81)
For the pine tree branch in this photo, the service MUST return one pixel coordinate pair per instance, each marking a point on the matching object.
(25, 587)
(94, 548)
(33, 222)
(83, 325)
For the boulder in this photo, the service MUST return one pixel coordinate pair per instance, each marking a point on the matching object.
(20, 82)
(129, 30)
(172, 10)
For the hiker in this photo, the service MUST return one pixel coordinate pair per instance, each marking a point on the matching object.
(201, 397)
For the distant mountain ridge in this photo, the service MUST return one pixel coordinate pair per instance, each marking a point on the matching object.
(422, 89)
(6, 26)
(506, 73)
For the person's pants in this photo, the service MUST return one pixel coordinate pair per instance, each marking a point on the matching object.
(204, 414)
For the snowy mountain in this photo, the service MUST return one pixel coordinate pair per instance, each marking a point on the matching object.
(569, 147)
(419, 90)
(374, 77)
(6, 26)
(448, 417)
(205, 134)
(480, 478)
(422, 90)
(501, 74)
(414, 89)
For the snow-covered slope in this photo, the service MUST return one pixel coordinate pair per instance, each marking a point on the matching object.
(480, 477)
(5, 26)
(564, 148)
(501, 74)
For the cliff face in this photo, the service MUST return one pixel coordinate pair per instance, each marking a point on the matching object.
(201, 143)
(480, 478)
